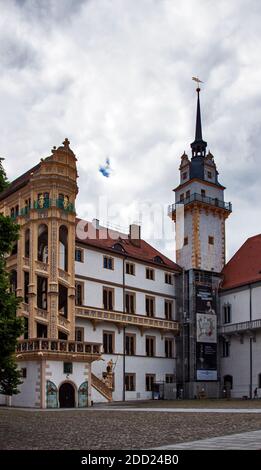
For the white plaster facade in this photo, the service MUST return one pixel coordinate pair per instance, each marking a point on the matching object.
(243, 335)
(94, 277)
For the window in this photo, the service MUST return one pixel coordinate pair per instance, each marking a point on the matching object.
(181, 198)
(108, 342)
(108, 298)
(130, 385)
(211, 240)
(79, 334)
(170, 378)
(67, 368)
(168, 278)
(62, 335)
(108, 262)
(209, 174)
(42, 292)
(23, 372)
(27, 204)
(259, 380)
(130, 344)
(26, 286)
(168, 309)
(187, 194)
(63, 300)
(203, 193)
(79, 287)
(225, 348)
(168, 347)
(227, 313)
(184, 175)
(158, 259)
(27, 243)
(118, 247)
(150, 274)
(41, 330)
(26, 327)
(130, 302)
(13, 281)
(130, 268)
(79, 255)
(150, 346)
(150, 379)
(150, 306)
(185, 241)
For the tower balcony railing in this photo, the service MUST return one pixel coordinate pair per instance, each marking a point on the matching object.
(200, 198)
(45, 203)
(36, 345)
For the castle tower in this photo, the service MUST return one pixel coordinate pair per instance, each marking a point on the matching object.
(199, 210)
(199, 214)
(45, 264)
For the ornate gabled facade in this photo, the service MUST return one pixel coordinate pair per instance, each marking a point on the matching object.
(98, 298)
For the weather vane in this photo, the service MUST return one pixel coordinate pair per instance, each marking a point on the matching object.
(196, 79)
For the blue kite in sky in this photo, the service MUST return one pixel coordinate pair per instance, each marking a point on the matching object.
(105, 170)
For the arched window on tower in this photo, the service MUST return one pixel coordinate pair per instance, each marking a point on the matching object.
(42, 292)
(43, 243)
(27, 243)
(63, 248)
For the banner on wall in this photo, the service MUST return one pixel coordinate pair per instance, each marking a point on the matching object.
(206, 361)
(206, 328)
(205, 299)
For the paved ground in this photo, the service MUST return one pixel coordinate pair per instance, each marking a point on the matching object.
(116, 429)
(206, 403)
(244, 441)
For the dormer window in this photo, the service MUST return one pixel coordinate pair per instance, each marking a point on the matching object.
(158, 259)
(118, 247)
(209, 175)
(184, 175)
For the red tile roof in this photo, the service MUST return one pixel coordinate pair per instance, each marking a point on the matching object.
(245, 266)
(19, 182)
(144, 252)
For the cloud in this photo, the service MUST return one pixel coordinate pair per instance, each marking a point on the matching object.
(115, 77)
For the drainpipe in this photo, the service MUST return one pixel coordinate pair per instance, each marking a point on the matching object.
(250, 346)
(124, 329)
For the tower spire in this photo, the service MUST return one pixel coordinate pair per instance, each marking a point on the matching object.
(199, 145)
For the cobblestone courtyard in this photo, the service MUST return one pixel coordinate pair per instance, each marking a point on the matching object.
(113, 429)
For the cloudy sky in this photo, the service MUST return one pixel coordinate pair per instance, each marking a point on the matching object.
(114, 76)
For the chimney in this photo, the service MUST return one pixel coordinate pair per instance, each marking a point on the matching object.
(96, 223)
(134, 234)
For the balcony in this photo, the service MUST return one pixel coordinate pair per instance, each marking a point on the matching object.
(45, 203)
(227, 206)
(65, 205)
(240, 328)
(50, 348)
(140, 321)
